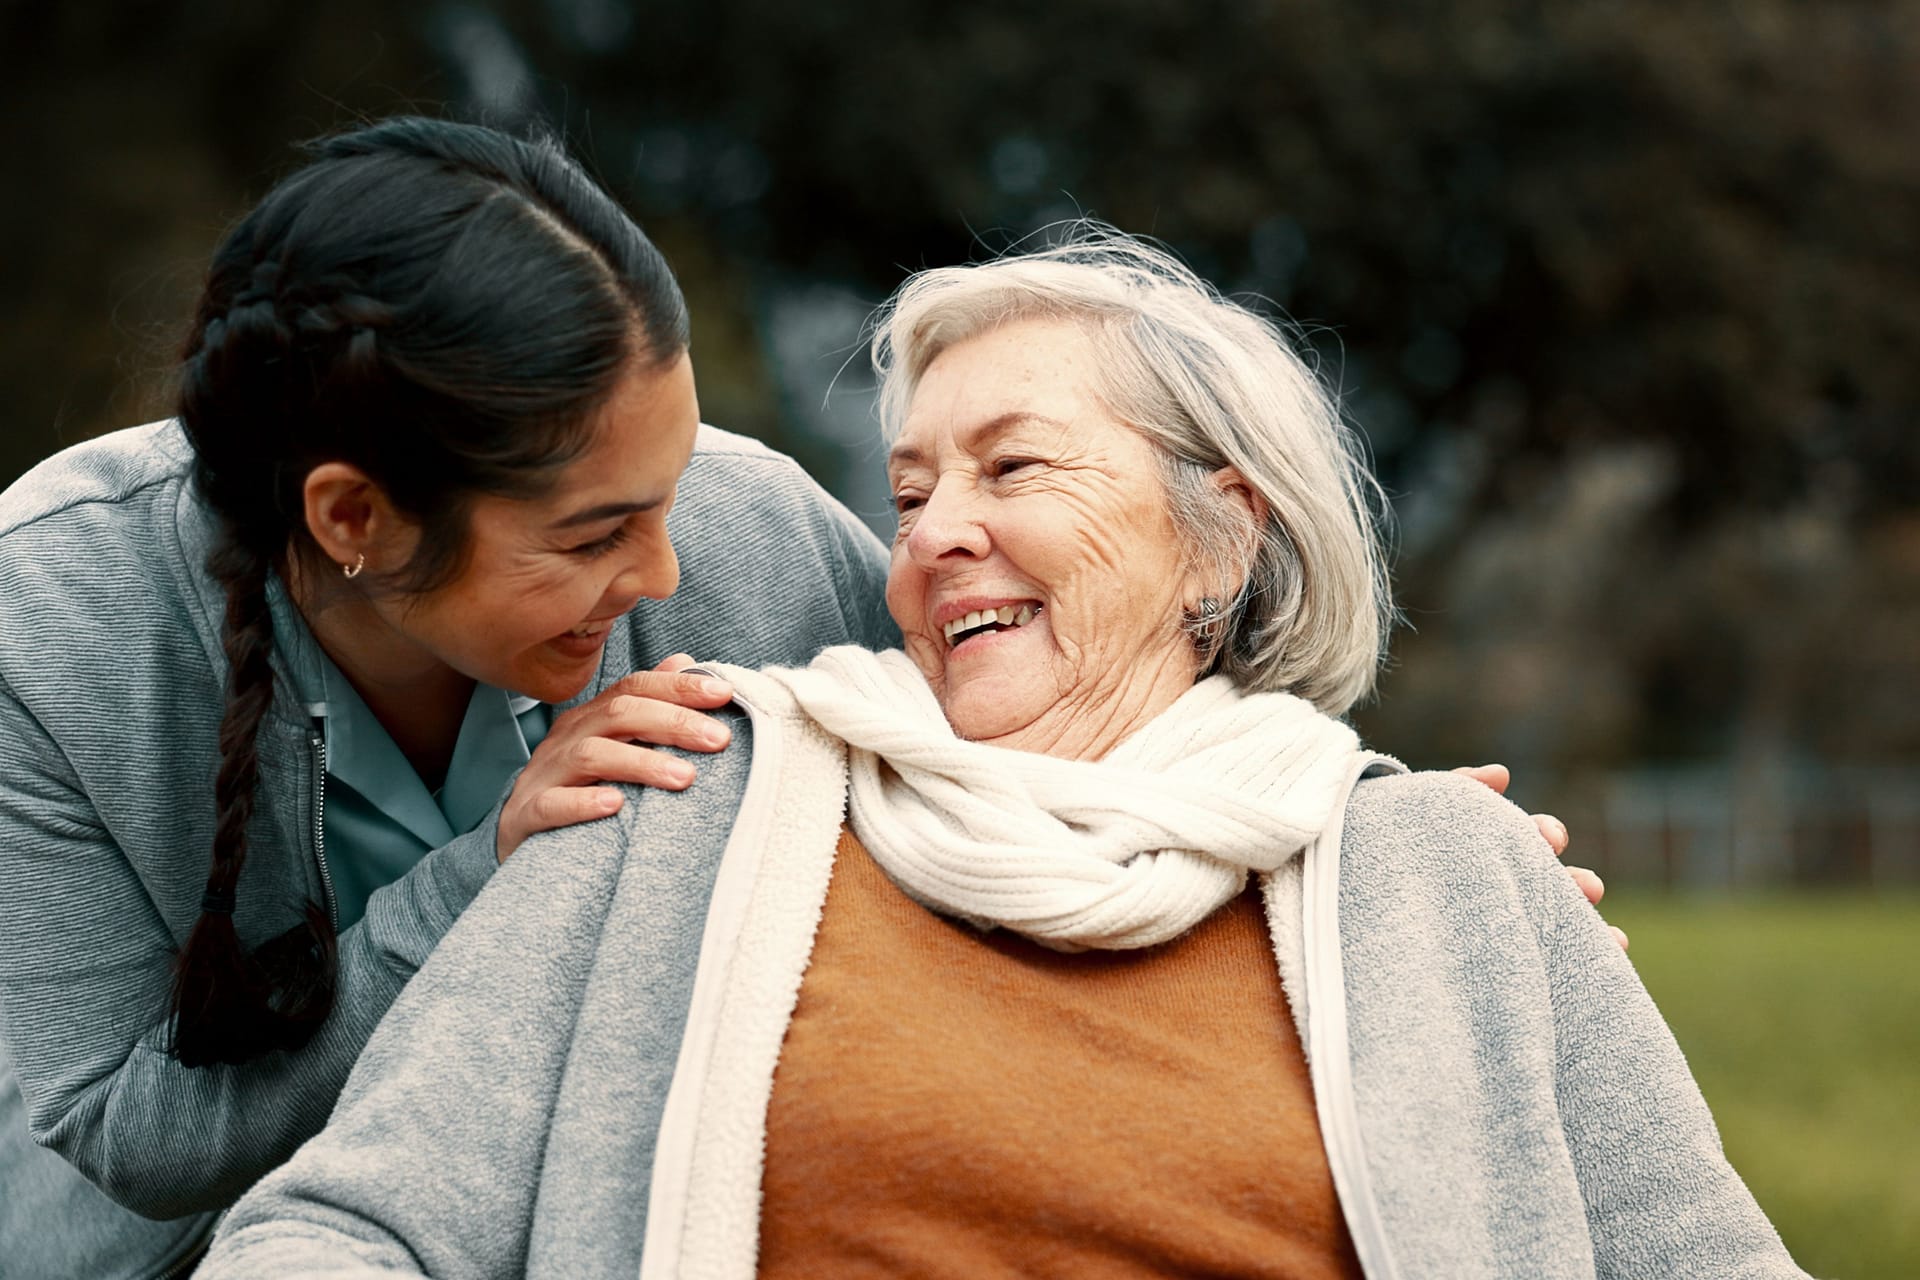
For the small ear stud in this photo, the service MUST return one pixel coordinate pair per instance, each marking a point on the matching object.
(1205, 620)
(353, 570)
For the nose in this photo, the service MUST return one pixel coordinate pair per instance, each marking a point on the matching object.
(652, 573)
(947, 525)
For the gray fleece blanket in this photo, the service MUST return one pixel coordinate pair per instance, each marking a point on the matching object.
(1524, 1110)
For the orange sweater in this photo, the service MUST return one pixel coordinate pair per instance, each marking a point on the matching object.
(952, 1103)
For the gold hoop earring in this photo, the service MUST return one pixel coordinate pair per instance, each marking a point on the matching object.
(353, 571)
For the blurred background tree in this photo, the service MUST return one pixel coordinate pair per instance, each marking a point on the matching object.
(1625, 297)
(1622, 295)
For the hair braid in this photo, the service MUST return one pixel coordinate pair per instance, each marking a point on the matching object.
(229, 1005)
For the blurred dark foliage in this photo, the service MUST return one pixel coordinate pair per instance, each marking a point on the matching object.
(1625, 295)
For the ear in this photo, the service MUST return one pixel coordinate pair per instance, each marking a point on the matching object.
(350, 516)
(1230, 482)
(1235, 488)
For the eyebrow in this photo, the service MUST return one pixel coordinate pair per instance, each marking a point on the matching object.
(981, 437)
(605, 511)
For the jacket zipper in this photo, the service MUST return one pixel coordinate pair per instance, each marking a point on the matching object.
(1329, 1053)
(318, 742)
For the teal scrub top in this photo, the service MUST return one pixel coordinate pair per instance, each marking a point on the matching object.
(380, 818)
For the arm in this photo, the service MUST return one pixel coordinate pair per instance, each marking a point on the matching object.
(84, 969)
(431, 1163)
(1661, 1198)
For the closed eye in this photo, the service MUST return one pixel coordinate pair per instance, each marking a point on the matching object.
(600, 546)
(1007, 466)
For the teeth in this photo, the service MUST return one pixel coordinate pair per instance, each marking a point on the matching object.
(1007, 615)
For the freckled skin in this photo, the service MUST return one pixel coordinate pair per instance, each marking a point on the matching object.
(527, 580)
(1015, 483)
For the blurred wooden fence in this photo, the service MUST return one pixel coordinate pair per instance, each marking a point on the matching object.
(1715, 829)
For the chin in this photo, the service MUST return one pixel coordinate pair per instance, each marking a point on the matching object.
(979, 716)
(549, 685)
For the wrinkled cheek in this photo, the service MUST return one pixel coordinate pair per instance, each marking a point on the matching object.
(905, 593)
(930, 657)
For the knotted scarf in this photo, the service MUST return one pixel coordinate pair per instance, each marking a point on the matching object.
(1122, 852)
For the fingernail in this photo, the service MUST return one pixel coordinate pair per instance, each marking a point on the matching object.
(715, 688)
(715, 735)
(608, 799)
(681, 772)
(1559, 829)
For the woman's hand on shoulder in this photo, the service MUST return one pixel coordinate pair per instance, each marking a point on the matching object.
(611, 739)
(1496, 777)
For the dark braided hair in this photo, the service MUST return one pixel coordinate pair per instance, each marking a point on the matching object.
(444, 307)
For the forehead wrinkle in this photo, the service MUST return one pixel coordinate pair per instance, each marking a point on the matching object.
(990, 432)
(977, 438)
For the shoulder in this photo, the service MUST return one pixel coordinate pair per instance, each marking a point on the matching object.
(647, 814)
(1448, 833)
(718, 443)
(772, 567)
(739, 485)
(104, 588)
(93, 547)
(96, 524)
(703, 814)
(722, 459)
(1439, 811)
(110, 471)
(689, 829)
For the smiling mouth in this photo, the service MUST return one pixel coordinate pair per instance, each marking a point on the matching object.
(1005, 618)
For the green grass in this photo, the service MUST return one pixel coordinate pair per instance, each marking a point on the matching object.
(1800, 1016)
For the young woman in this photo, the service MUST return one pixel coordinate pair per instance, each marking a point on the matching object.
(282, 681)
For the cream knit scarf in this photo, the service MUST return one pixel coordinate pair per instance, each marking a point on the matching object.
(1123, 852)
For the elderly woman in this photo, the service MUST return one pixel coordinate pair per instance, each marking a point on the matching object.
(1081, 938)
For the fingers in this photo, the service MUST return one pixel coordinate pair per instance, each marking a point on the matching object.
(612, 739)
(677, 686)
(553, 807)
(1554, 831)
(605, 760)
(625, 717)
(655, 707)
(564, 806)
(1593, 889)
(575, 798)
(1494, 776)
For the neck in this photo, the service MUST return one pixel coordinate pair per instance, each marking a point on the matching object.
(1086, 724)
(418, 699)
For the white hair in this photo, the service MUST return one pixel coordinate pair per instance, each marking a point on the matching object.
(1212, 384)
